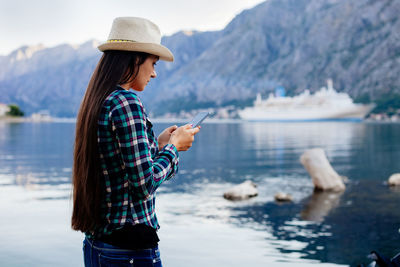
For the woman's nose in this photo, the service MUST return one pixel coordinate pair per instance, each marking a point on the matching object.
(153, 74)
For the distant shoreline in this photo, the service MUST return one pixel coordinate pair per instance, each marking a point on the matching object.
(13, 119)
(10, 119)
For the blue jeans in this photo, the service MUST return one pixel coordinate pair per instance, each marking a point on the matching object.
(99, 254)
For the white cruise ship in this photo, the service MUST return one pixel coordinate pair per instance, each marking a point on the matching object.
(325, 104)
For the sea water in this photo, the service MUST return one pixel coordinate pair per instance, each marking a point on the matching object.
(198, 226)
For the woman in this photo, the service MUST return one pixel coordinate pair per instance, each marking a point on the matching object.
(118, 163)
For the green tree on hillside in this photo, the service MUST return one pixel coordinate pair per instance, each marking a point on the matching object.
(388, 104)
(15, 111)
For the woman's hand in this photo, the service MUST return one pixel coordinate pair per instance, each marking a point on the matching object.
(183, 137)
(164, 137)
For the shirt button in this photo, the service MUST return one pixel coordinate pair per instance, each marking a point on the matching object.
(131, 261)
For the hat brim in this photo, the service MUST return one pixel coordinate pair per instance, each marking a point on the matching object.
(151, 48)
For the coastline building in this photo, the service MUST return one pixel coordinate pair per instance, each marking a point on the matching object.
(41, 116)
(4, 108)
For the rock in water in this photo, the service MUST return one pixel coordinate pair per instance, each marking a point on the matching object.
(322, 174)
(242, 191)
(394, 179)
(283, 197)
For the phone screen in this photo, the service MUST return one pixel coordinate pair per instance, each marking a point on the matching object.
(199, 118)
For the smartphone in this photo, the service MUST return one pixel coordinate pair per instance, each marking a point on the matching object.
(199, 118)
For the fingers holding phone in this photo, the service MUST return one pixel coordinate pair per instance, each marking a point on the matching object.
(183, 137)
(164, 137)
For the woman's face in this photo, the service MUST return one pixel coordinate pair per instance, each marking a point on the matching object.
(146, 72)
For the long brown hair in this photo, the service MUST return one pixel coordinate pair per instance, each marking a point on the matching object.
(114, 67)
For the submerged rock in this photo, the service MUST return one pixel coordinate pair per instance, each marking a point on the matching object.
(242, 191)
(394, 179)
(323, 176)
(283, 197)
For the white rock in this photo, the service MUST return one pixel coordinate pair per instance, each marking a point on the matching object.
(322, 174)
(394, 179)
(283, 197)
(242, 191)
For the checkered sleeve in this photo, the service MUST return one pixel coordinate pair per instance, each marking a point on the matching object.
(145, 173)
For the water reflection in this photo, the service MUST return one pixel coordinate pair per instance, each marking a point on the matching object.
(395, 189)
(318, 206)
(333, 227)
(335, 137)
(36, 160)
(37, 157)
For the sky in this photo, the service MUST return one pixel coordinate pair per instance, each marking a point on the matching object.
(53, 22)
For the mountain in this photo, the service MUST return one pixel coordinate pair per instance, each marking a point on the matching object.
(294, 43)
(297, 44)
(38, 78)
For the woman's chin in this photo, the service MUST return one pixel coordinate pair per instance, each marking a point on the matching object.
(138, 89)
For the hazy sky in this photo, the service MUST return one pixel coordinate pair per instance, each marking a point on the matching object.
(52, 22)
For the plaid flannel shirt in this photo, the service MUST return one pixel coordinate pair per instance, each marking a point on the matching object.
(133, 166)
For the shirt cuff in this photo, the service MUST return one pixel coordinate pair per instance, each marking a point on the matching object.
(173, 155)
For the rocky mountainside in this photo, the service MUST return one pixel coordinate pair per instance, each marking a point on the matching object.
(297, 44)
(54, 79)
(294, 43)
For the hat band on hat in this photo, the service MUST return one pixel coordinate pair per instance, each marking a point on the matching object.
(120, 40)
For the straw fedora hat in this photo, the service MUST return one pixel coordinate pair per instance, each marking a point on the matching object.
(136, 34)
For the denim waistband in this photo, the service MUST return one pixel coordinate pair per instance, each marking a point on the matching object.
(107, 247)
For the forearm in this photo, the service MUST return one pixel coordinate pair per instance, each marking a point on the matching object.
(147, 176)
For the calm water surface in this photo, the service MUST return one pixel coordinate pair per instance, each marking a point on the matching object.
(198, 226)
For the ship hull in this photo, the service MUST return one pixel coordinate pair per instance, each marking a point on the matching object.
(354, 113)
